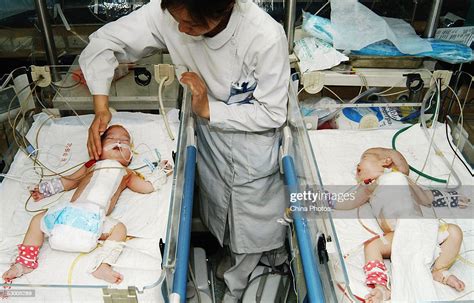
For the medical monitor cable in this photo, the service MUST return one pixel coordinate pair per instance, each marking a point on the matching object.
(69, 105)
(460, 123)
(421, 173)
(162, 108)
(434, 145)
(36, 161)
(433, 125)
(454, 150)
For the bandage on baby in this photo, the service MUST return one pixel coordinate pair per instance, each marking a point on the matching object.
(51, 187)
(375, 274)
(159, 175)
(108, 253)
(28, 256)
(440, 199)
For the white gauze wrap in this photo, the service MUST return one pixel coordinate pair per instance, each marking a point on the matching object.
(108, 253)
(157, 178)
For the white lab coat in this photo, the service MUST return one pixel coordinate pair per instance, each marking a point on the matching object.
(246, 70)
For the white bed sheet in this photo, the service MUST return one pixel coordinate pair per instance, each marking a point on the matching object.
(145, 216)
(337, 153)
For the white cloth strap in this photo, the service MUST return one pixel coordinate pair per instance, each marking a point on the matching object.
(108, 253)
(157, 178)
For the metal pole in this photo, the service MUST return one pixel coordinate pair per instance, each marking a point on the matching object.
(48, 38)
(290, 18)
(415, 5)
(433, 18)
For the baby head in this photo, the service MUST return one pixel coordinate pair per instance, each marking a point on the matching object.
(116, 145)
(374, 161)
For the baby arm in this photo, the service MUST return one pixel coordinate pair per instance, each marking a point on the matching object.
(438, 198)
(361, 196)
(154, 181)
(421, 196)
(138, 185)
(56, 185)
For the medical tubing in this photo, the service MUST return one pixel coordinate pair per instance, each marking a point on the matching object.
(21, 109)
(184, 234)
(435, 146)
(460, 122)
(432, 143)
(68, 104)
(310, 270)
(14, 126)
(162, 107)
(394, 140)
(433, 125)
(454, 150)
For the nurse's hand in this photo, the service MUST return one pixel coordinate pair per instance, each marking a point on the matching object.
(98, 126)
(200, 102)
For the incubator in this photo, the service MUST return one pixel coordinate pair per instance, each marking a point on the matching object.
(433, 154)
(51, 130)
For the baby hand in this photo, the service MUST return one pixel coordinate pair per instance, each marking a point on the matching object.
(463, 201)
(167, 166)
(35, 194)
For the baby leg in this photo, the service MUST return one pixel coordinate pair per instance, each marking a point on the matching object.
(449, 251)
(109, 253)
(375, 271)
(28, 251)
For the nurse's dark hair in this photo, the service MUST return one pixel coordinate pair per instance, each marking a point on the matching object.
(201, 10)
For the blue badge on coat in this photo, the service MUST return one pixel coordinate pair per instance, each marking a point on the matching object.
(241, 93)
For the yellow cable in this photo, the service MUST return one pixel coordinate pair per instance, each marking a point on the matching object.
(73, 264)
(464, 260)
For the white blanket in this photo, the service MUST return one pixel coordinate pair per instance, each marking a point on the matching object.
(414, 240)
(413, 253)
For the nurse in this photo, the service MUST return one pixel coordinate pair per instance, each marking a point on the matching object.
(238, 75)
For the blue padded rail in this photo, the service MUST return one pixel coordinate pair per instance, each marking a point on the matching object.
(184, 237)
(310, 270)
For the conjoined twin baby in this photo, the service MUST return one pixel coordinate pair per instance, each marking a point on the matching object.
(77, 225)
(382, 166)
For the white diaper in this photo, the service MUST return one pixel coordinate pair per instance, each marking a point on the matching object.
(73, 227)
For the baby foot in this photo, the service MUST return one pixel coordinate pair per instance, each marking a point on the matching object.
(378, 294)
(106, 273)
(464, 201)
(15, 271)
(449, 198)
(449, 279)
(455, 283)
